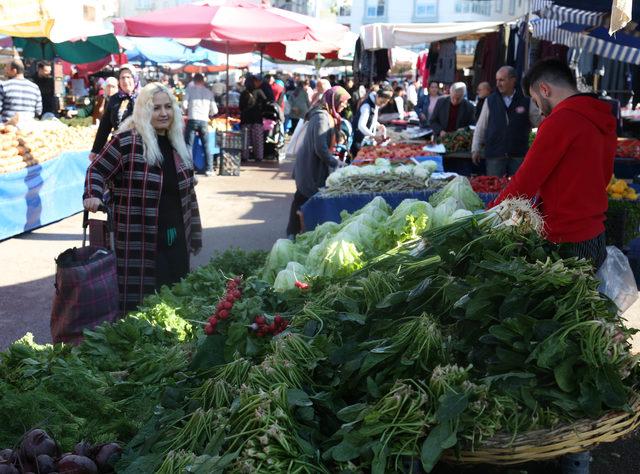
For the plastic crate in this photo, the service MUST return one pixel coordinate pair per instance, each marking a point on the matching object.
(232, 140)
(230, 162)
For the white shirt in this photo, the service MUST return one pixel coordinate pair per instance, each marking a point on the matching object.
(508, 99)
(199, 103)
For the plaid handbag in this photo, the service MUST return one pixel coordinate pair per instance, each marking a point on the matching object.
(86, 289)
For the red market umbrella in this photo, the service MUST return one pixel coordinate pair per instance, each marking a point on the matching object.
(222, 20)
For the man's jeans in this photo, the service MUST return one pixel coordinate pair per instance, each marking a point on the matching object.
(202, 129)
(503, 166)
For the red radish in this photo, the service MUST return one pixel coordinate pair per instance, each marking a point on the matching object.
(272, 327)
(260, 333)
(227, 305)
(277, 319)
(223, 314)
(260, 319)
(302, 285)
(208, 329)
(213, 321)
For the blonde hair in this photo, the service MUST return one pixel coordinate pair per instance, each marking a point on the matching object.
(140, 121)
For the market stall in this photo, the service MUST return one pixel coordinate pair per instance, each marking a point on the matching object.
(42, 170)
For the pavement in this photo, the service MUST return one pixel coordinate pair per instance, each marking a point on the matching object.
(249, 211)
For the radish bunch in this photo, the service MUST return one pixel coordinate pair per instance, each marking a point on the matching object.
(262, 327)
(225, 305)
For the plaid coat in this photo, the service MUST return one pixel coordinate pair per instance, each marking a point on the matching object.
(136, 199)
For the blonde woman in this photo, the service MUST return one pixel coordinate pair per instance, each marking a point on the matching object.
(156, 216)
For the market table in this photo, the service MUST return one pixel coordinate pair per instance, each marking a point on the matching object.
(41, 194)
(321, 209)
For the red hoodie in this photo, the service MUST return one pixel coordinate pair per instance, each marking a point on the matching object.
(569, 167)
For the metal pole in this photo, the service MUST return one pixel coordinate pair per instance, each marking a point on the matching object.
(227, 92)
(261, 56)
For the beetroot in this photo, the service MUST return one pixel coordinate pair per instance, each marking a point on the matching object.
(107, 456)
(8, 455)
(83, 448)
(6, 468)
(74, 464)
(37, 442)
(45, 464)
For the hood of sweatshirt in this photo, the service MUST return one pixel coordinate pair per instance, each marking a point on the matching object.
(593, 109)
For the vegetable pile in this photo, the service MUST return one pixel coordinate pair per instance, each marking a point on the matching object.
(381, 177)
(333, 250)
(477, 328)
(38, 452)
(618, 189)
(628, 148)
(20, 149)
(396, 153)
(489, 184)
(458, 141)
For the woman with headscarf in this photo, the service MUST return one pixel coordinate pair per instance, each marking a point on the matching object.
(315, 157)
(252, 102)
(322, 86)
(119, 107)
(156, 216)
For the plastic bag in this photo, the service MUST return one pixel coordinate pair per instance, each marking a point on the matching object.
(617, 280)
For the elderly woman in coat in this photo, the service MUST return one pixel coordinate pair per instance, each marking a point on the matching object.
(156, 216)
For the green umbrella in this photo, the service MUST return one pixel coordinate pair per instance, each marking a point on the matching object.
(92, 49)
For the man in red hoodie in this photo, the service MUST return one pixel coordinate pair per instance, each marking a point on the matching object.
(570, 163)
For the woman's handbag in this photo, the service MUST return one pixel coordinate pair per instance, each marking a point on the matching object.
(295, 144)
(86, 288)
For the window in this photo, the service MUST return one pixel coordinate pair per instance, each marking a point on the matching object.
(426, 9)
(512, 7)
(375, 8)
(498, 6)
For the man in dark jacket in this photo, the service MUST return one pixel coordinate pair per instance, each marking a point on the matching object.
(504, 126)
(570, 162)
(453, 112)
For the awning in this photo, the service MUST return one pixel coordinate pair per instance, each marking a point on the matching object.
(574, 15)
(621, 47)
(165, 50)
(537, 5)
(390, 35)
(568, 34)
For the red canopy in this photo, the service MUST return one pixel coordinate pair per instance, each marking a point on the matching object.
(221, 20)
(235, 26)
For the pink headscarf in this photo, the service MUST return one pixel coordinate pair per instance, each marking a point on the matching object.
(332, 100)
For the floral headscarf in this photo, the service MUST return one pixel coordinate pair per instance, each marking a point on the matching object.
(332, 99)
(136, 81)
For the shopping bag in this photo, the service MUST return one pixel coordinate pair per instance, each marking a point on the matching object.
(86, 288)
(295, 144)
(617, 280)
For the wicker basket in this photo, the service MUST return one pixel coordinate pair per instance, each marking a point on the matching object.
(544, 445)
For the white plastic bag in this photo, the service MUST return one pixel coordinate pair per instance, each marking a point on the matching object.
(617, 280)
(295, 144)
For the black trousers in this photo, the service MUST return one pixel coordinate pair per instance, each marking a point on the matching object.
(593, 249)
(172, 260)
(293, 228)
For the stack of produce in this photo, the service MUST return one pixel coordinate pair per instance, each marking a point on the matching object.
(20, 149)
(628, 148)
(332, 249)
(77, 121)
(489, 184)
(40, 453)
(458, 141)
(378, 178)
(476, 329)
(223, 123)
(396, 153)
(618, 189)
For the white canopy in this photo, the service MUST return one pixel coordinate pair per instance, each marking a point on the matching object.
(389, 35)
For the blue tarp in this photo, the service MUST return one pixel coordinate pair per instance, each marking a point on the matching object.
(320, 209)
(164, 50)
(42, 194)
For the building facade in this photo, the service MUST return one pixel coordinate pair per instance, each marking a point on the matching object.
(356, 13)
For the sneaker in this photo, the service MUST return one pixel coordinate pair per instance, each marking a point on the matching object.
(209, 173)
